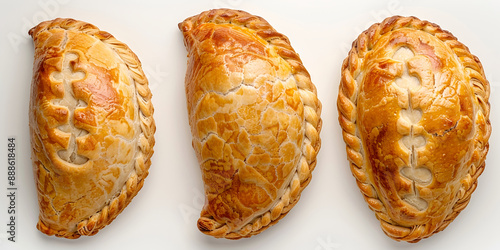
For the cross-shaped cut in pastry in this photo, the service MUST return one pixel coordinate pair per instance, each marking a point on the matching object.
(91, 127)
(413, 107)
(255, 121)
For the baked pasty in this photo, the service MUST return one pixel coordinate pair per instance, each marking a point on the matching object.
(254, 117)
(91, 127)
(413, 107)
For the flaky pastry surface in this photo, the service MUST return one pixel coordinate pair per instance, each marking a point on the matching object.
(91, 127)
(254, 117)
(413, 106)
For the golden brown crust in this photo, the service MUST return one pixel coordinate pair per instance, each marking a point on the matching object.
(255, 121)
(413, 107)
(91, 127)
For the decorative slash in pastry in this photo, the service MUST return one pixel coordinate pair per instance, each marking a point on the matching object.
(254, 117)
(413, 107)
(91, 127)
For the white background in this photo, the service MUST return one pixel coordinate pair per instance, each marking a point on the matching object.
(331, 213)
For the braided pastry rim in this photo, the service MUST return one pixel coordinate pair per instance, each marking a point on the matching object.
(146, 141)
(346, 105)
(312, 121)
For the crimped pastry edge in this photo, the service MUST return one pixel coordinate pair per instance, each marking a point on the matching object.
(346, 105)
(312, 113)
(146, 141)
